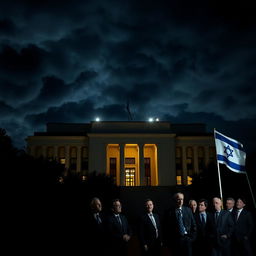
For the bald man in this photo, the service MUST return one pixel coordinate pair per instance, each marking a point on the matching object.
(94, 226)
(180, 228)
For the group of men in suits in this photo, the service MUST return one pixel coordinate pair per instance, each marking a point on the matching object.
(217, 233)
(108, 234)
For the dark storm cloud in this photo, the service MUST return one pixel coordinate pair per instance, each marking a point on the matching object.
(75, 112)
(71, 112)
(5, 110)
(7, 27)
(71, 61)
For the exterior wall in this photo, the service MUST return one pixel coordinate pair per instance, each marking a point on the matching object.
(160, 147)
(57, 142)
(194, 142)
(165, 144)
(166, 162)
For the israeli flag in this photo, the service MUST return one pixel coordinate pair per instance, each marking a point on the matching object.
(230, 152)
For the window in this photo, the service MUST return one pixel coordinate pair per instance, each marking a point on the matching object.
(112, 168)
(129, 177)
(178, 180)
(61, 155)
(212, 155)
(189, 159)
(129, 160)
(147, 171)
(178, 159)
(84, 161)
(62, 161)
(189, 180)
(73, 159)
(38, 152)
(50, 154)
(200, 158)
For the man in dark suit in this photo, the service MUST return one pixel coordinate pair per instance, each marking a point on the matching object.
(119, 232)
(180, 228)
(203, 223)
(150, 231)
(95, 228)
(243, 230)
(230, 204)
(222, 229)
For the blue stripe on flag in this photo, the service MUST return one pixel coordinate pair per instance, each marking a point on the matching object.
(238, 167)
(230, 142)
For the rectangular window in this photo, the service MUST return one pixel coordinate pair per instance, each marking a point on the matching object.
(178, 159)
(62, 161)
(189, 161)
(200, 158)
(212, 155)
(189, 180)
(50, 153)
(112, 168)
(129, 177)
(129, 160)
(61, 155)
(147, 171)
(178, 180)
(84, 164)
(73, 161)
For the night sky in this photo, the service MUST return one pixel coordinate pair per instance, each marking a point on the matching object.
(180, 61)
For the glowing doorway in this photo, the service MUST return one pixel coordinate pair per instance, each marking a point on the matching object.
(129, 176)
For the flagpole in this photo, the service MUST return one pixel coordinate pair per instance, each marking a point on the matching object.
(219, 175)
(250, 189)
(219, 181)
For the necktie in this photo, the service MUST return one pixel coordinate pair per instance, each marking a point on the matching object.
(98, 218)
(180, 223)
(154, 223)
(237, 215)
(202, 218)
(216, 216)
(119, 220)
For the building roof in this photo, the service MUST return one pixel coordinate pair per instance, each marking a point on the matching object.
(81, 129)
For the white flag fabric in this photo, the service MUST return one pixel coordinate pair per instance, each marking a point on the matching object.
(230, 152)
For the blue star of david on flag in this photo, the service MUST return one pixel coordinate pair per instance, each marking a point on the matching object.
(230, 152)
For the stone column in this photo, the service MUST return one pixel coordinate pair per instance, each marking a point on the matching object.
(122, 171)
(141, 165)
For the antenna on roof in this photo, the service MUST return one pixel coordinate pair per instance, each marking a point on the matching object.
(128, 110)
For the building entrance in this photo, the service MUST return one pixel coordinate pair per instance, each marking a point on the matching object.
(129, 176)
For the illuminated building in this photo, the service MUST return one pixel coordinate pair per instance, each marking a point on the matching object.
(133, 153)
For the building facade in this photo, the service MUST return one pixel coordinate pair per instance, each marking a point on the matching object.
(133, 153)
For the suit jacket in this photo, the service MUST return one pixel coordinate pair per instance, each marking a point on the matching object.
(202, 244)
(115, 230)
(203, 231)
(244, 225)
(223, 226)
(173, 228)
(147, 231)
(233, 214)
(97, 230)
